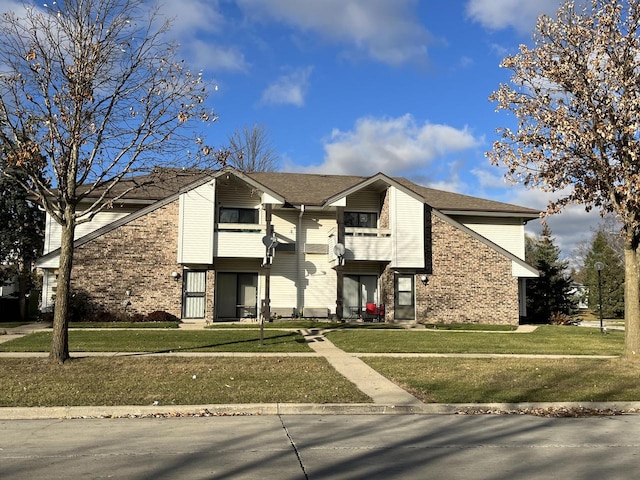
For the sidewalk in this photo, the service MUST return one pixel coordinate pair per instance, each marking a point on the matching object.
(387, 397)
(379, 388)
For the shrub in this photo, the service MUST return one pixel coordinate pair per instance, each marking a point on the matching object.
(558, 318)
(161, 316)
(105, 316)
(81, 306)
(137, 317)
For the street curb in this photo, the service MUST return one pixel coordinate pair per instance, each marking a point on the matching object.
(162, 411)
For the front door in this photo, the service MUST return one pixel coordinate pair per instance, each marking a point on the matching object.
(357, 292)
(405, 308)
(237, 295)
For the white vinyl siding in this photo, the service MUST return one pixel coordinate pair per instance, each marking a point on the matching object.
(283, 281)
(320, 283)
(366, 200)
(196, 225)
(302, 278)
(407, 226)
(317, 226)
(284, 225)
(508, 233)
(237, 195)
(53, 230)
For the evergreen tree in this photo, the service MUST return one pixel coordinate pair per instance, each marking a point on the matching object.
(21, 234)
(550, 293)
(612, 276)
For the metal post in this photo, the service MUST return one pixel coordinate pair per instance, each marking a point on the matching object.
(599, 266)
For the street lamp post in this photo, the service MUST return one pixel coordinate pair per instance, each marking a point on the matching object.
(599, 266)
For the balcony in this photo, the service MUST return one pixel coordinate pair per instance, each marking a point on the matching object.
(242, 240)
(361, 244)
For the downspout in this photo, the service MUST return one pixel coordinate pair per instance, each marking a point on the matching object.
(299, 253)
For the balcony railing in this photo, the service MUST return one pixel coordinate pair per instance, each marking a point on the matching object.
(363, 244)
(239, 240)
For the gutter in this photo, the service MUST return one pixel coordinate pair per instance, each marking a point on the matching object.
(299, 253)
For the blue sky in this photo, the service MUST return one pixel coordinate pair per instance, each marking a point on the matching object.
(361, 86)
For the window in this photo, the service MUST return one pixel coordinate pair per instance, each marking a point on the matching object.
(238, 215)
(194, 286)
(357, 292)
(360, 219)
(405, 298)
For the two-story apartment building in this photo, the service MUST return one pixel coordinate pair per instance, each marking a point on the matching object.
(228, 245)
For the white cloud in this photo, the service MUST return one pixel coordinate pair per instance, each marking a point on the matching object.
(194, 19)
(289, 89)
(16, 6)
(396, 146)
(489, 179)
(215, 58)
(190, 16)
(385, 31)
(517, 14)
(569, 228)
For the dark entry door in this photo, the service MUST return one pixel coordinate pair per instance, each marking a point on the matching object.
(237, 295)
(405, 308)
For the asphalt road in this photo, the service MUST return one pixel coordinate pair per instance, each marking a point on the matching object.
(323, 447)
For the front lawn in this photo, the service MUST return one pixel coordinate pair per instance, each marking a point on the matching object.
(560, 340)
(457, 380)
(124, 324)
(141, 340)
(101, 381)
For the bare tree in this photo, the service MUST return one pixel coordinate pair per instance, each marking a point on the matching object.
(91, 93)
(250, 150)
(576, 97)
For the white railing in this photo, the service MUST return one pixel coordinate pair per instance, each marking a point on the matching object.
(239, 240)
(363, 244)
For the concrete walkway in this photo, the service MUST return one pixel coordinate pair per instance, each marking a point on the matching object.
(380, 389)
(387, 397)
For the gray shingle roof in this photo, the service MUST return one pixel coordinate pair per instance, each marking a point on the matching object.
(313, 189)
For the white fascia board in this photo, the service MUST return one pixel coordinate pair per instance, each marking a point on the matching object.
(517, 263)
(476, 213)
(275, 198)
(267, 198)
(341, 202)
(390, 182)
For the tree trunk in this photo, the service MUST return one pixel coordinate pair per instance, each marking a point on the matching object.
(60, 340)
(631, 301)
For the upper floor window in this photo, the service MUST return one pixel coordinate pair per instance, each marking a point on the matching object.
(238, 215)
(360, 219)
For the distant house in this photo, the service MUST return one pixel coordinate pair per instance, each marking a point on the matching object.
(580, 293)
(227, 245)
(9, 288)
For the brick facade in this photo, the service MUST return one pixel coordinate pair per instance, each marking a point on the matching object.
(138, 257)
(471, 283)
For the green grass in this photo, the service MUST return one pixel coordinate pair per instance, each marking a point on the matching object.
(170, 381)
(164, 341)
(455, 380)
(296, 324)
(472, 327)
(4, 325)
(545, 340)
(124, 324)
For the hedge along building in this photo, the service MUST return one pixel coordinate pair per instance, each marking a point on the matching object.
(227, 245)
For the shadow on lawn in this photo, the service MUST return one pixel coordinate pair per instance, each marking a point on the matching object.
(270, 340)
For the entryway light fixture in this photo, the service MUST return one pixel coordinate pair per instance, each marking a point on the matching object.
(424, 279)
(175, 276)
